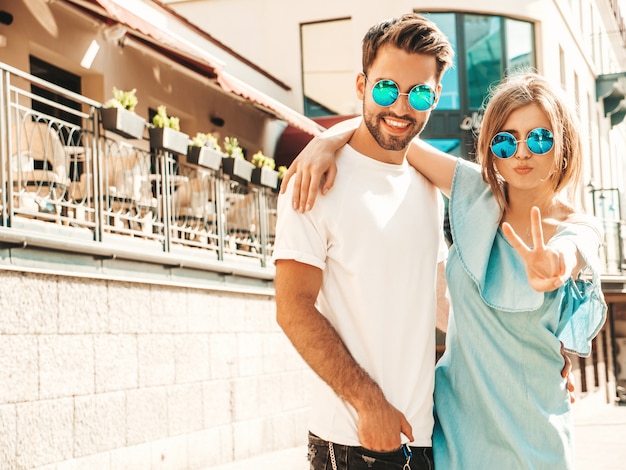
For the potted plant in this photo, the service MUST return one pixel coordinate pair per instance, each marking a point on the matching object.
(281, 174)
(234, 164)
(118, 115)
(264, 173)
(165, 133)
(205, 151)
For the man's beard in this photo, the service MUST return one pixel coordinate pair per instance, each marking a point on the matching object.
(388, 142)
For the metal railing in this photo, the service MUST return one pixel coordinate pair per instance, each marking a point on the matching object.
(612, 252)
(607, 208)
(67, 184)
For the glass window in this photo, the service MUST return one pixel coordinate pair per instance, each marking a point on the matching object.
(449, 98)
(519, 45)
(483, 55)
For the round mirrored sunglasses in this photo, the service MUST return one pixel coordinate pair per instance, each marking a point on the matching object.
(386, 92)
(539, 141)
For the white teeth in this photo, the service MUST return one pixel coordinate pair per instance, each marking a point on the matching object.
(395, 124)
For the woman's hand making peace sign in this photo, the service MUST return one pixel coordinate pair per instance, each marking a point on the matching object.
(548, 266)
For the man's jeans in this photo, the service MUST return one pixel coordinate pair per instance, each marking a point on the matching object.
(359, 458)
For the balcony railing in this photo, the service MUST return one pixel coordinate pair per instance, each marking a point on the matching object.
(612, 251)
(607, 208)
(66, 184)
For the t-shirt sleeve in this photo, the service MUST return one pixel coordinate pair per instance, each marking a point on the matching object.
(299, 236)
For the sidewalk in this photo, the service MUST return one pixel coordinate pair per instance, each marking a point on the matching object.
(600, 433)
(601, 438)
(289, 459)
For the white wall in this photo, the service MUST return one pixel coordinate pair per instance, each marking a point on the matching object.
(107, 375)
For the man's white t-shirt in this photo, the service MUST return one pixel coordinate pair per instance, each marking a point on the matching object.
(377, 236)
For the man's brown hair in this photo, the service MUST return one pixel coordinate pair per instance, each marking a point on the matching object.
(411, 33)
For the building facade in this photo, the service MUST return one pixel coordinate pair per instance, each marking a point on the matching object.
(137, 314)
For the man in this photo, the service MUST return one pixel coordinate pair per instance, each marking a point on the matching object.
(357, 275)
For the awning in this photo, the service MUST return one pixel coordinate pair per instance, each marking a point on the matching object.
(153, 23)
(293, 139)
(234, 85)
(151, 20)
(611, 89)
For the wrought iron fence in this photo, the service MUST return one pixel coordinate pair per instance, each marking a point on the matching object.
(67, 184)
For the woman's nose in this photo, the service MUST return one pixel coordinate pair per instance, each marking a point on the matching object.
(523, 152)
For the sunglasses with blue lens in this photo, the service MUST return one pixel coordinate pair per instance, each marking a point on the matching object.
(386, 92)
(539, 141)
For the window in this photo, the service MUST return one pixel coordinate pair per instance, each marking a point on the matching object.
(483, 55)
(487, 48)
(328, 78)
(64, 79)
(494, 47)
(450, 96)
(519, 38)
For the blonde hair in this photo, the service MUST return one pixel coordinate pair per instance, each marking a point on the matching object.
(519, 90)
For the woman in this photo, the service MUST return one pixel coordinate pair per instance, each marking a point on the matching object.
(519, 248)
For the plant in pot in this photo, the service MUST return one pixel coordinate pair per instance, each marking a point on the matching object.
(234, 163)
(205, 151)
(118, 115)
(264, 173)
(165, 133)
(282, 170)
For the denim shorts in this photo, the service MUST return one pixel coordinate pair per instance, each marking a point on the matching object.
(360, 458)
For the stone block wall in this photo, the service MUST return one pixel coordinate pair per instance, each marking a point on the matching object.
(103, 374)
